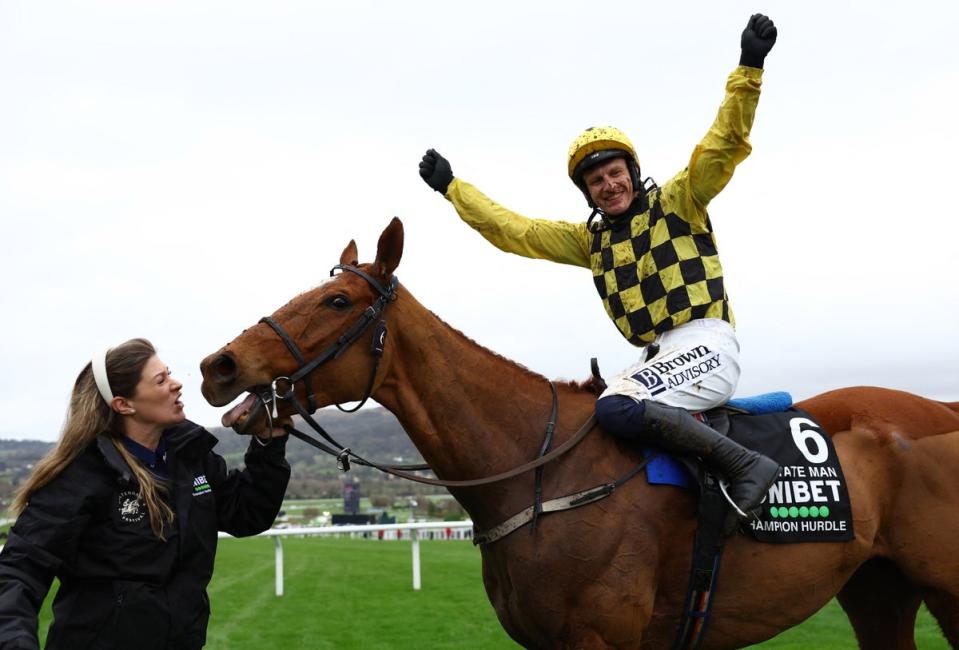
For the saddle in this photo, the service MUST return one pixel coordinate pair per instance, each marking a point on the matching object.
(808, 503)
(666, 469)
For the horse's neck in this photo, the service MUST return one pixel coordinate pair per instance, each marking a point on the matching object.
(470, 412)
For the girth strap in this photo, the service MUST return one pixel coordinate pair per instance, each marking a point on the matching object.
(708, 544)
(568, 502)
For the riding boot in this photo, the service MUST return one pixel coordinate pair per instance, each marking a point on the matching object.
(749, 473)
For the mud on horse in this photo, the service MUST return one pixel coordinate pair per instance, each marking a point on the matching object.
(614, 574)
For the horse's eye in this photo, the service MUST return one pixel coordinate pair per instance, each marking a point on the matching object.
(339, 302)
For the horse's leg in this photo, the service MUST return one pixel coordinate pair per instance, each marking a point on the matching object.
(945, 607)
(881, 604)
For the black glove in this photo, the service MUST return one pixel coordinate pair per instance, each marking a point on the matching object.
(758, 38)
(435, 170)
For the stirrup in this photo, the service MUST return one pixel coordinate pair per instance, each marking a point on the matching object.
(722, 488)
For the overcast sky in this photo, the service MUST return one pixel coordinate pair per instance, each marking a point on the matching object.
(176, 170)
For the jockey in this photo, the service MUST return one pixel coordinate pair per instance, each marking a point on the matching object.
(655, 265)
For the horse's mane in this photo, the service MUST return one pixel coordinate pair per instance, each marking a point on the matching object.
(592, 385)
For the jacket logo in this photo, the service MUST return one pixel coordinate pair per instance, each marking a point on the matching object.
(131, 507)
(201, 486)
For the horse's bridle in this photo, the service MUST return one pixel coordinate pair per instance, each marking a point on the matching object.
(283, 387)
(334, 350)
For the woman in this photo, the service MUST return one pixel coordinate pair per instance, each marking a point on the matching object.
(125, 512)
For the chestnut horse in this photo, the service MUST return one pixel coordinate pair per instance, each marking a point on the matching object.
(614, 574)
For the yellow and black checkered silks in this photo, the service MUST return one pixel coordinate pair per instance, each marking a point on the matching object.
(655, 271)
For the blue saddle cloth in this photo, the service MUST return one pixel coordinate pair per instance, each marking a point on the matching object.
(664, 469)
(765, 403)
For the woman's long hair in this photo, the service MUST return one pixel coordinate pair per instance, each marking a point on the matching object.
(89, 416)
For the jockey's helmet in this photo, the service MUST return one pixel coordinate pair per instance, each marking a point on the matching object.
(596, 145)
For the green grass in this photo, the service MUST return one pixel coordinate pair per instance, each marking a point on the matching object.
(829, 629)
(342, 593)
(351, 593)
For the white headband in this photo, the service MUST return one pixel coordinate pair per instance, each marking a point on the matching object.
(99, 364)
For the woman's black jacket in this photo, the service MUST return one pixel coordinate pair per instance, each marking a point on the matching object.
(121, 586)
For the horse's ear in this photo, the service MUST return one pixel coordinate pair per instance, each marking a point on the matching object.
(389, 249)
(349, 257)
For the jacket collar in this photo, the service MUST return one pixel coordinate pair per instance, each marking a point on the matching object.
(189, 439)
(186, 439)
(113, 457)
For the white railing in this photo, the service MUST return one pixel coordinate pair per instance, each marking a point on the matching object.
(415, 532)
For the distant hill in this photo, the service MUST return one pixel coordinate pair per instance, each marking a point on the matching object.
(373, 433)
(17, 457)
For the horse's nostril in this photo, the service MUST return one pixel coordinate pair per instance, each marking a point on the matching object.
(223, 368)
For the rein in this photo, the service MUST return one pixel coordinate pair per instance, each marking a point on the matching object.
(283, 388)
(345, 454)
